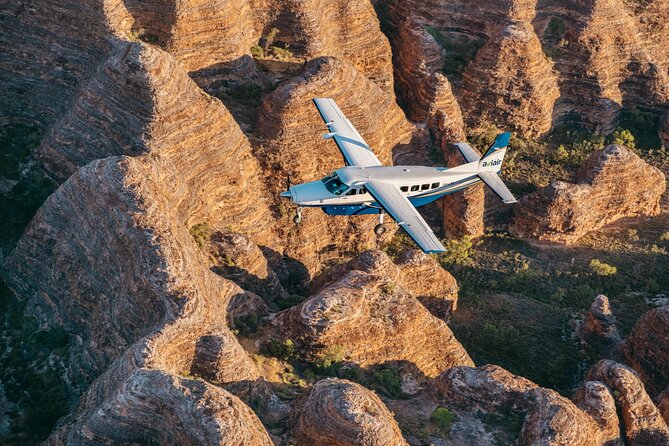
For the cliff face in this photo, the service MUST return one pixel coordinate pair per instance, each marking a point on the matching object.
(37, 85)
(614, 183)
(552, 62)
(210, 38)
(142, 102)
(647, 351)
(377, 322)
(349, 31)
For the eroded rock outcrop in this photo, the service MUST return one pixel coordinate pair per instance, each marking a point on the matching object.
(439, 294)
(599, 324)
(338, 412)
(154, 406)
(377, 322)
(548, 417)
(596, 399)
(349, 31)
(647, 349)
(141, 101)
(515, 77)
(139, 294)
(607, 58)
(614, 183)
(210, 38)
(237, 258)
(46, 61)
(641, 420)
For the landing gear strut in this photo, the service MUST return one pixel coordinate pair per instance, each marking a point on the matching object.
(298, 216)
(380, 229)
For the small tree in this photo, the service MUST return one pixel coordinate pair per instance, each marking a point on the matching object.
(457, 251)
(602, 269)
(443, 419)
(624, 137)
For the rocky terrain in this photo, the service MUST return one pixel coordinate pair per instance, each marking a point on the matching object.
(154, 288)
(564, 212)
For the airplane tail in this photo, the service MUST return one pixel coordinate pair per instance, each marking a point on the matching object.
(490, 165)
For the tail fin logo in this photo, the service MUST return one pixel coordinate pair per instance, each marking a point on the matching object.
(492, 163)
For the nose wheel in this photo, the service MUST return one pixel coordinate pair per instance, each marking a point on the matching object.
(380, 229)
(297, 219)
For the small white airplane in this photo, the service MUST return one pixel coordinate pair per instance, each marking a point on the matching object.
(365, 186)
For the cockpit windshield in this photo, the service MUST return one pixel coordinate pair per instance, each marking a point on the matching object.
(334, 184)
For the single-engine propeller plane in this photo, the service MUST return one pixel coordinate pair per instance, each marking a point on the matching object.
(365, 186)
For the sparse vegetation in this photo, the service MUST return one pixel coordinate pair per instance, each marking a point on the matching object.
(246, 325)
(443, 419)
(286, 349)
(460, 49)
(624, 137)
(602, 269)
(201, 232)
(457, 251)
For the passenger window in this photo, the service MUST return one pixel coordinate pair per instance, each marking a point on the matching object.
(363, 190)
(435, 185)
(414, 188)
(352, 192)
(404, 188)
(425, 187)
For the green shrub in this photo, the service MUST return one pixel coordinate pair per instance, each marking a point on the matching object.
(247, 324)
(443, 419)
(460, 49)
(281, 53)
(332, 356)
(386, 381)
(257, 52)
(201, 233)
(624, 137)
(457, 251)
(602, 269)
(246, 92)
(285, 349)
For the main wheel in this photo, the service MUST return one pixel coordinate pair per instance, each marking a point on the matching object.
(297, 219)
(379, 229)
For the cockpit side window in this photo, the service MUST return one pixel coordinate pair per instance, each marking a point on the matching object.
(352, 191)
(334, 184)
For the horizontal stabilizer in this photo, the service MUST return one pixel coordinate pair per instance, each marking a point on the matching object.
(469, 154)
(495, 183)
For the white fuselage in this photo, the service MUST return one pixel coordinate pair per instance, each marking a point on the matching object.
(416, 182)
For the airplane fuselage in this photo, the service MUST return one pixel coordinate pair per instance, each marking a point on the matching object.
(343, 192)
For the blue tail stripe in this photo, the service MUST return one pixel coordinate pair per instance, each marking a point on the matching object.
(501, 141)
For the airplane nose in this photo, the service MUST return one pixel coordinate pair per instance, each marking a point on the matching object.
(286, 194)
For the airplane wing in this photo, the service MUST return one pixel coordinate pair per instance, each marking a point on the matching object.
(355, 150)
(497, 185)
(405, 214)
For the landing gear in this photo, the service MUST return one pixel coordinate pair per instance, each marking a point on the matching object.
(298, 216)
(380, 229)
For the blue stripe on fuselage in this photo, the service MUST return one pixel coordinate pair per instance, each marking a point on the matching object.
(417, 201)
